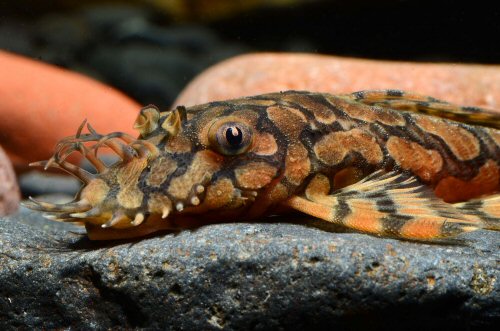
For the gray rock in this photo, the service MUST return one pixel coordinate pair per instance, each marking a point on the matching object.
(243, 276)
(35, 183)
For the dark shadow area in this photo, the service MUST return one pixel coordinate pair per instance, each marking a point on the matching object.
(151, 54)
(393, 30)
(85, 244)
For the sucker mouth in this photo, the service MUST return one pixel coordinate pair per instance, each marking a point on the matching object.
(82, 211)
(99, 206)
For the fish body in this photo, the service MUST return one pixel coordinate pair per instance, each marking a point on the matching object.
(386, 163)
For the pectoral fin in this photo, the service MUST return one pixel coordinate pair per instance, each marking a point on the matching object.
(387, 204)
(487, 210)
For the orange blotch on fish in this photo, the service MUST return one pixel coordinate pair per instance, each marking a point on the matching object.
(389, 117)
(297, 163)
(322, 113)
(178, 144)
(279, 192)
(129, 195)
(290, 121)
(367, 113)
(246, 116)
(161, 168)
(334, 147)
(203, 166)
(324, 116)
(95, 192)
(219, 194)
(463, 144)
(409, 155)
(254, 175)
(318, 186)
(364, 216)
(264, 144)
(452, 189)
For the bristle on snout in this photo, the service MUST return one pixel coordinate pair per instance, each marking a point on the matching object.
(71, 169)
(70, 207)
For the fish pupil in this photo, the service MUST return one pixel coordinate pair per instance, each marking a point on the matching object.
(234, 136)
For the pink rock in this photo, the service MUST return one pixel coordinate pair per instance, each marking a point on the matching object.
(252, 74)
(9, 191)
(40, 104)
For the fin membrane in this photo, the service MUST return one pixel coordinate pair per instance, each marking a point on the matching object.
(388, 204)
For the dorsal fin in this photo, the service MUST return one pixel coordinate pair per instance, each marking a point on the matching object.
(407, 101)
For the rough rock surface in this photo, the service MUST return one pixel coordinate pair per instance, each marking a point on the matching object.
(243, 276)
(9, 190)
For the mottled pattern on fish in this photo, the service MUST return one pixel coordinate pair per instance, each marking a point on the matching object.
(387, 163)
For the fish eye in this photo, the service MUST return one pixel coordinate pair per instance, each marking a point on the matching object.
(230, 138)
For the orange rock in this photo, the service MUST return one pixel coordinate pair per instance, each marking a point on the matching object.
(252, 74)
(9, 191)
(40, 104)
